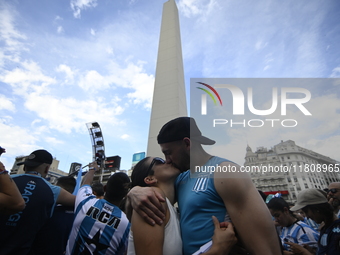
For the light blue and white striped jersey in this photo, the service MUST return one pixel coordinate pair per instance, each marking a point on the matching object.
(311, 223)
(300, 233)
(99, 227)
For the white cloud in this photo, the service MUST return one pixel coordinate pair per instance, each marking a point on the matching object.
(67, 114)
(132, 77)
(196, 7)
(109, 50)
(93, 32)
(28, 79)
(19, 142)
(53, 140)
(6, 104)
(78, 5)
(60, 29)
(58, 18)
(325, 146)
(125, 137)
(336, 72)
(68, 72)
(260, 45)
(8, 33)
(36, 121)
(143, 85)
(93, 81)
(10, 37)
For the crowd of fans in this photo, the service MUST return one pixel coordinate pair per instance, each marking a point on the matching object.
(38, 218)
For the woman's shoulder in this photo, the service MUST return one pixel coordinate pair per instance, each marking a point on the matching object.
(165, 204)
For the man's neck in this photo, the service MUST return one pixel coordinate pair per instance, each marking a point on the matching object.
(198, 158)
(292, 220)
(114, 202)
(33, 173)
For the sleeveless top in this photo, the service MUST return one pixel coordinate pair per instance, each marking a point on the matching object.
(198, 200)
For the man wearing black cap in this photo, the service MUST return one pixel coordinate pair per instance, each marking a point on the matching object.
(18, 230)
(201, 195)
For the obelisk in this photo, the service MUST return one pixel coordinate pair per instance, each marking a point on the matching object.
(169, 97)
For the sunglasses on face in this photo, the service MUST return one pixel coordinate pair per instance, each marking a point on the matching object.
(333, 190)
(153, 162)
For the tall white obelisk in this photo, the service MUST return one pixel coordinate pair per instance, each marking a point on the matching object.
(169, 97)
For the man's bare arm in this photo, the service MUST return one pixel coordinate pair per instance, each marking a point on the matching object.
(66, 198)
(88, 177)
(147, 203)
(248, 212)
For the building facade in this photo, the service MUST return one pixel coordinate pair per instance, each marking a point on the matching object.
(288, 168)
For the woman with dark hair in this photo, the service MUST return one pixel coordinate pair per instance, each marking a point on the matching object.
(166, 238)
(315, 205)
(293, 230)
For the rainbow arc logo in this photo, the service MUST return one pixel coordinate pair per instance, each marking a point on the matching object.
(211, 94)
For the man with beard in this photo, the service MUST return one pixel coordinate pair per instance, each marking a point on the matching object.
(333, 196)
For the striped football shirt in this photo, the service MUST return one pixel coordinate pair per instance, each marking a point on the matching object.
(99, 227)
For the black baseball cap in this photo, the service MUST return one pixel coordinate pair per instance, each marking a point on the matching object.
(179, 128)
(36, 158)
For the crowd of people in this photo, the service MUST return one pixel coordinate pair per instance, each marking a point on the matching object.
(166, 208)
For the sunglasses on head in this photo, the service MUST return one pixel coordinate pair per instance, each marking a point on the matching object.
(153, 162)
(333, 190)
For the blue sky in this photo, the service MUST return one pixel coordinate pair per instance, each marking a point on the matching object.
(66, 63)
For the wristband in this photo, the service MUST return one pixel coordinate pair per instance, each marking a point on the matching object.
(4, 172)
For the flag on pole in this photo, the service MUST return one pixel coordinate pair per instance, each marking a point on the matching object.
(80, 171)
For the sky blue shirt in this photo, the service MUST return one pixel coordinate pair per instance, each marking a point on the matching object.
(198, 201)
